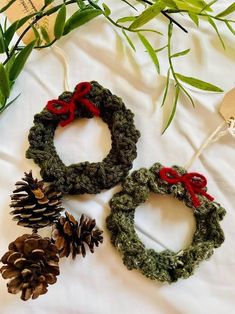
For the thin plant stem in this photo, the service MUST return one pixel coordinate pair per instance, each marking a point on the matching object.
(174, 21)
(201, 14)
(168, 16)
(37, 18)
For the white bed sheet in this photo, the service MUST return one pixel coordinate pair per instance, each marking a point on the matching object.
(100, 283)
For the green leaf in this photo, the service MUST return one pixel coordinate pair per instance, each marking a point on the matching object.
(126, 19)
(166, 88)
(7, 6)
(45, 35)
(2, 101)
(60, 22)
(47, 2)
(177, 92)
(198, 83)
(4, 86)
(52, 10)
(227, 11)
(208, 6)
(230, 27)
(20, 60)
(81, 4)
(187, 6)
(79, 18)
(107, 10)
(170, 29)
(147, 15)
(5, 25)
(22, 21)
(8, 104)
(160, 49)
(200, 4)
(9, 63)
(187, 94)
(150, 31)
(128, 40)
(10, 32)
(2, 41)
(216, 30)
(93, 4)
(194, 18)
(150, 51)
(37, 36)
(181, 53)
(171, 4)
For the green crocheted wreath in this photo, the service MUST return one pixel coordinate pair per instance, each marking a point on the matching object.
(166, 266)
(87, 100)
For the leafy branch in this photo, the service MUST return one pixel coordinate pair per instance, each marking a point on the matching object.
(17, 55)
(178, 78)
(193, 9)
(131, 26)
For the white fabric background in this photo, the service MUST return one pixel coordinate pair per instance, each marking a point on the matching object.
(100, 283)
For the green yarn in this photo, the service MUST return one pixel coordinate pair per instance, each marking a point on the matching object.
(86, 177)
(166, 266)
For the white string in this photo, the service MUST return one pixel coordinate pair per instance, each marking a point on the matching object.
(227, 131)
(222, 130)
(64, 59)
(59, 52)
(225, 128)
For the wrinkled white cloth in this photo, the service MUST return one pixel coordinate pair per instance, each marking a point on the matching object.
(100, 283)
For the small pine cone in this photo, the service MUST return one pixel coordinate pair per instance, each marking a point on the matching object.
(31, 264)
(71, 236)
(35, 206)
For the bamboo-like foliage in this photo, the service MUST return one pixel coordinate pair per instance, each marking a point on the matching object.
(144, 11)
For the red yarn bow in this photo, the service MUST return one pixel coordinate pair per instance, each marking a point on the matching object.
(58, 106)
(193, 182)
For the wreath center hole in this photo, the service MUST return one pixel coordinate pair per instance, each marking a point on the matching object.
(167, 221)
(83, 140)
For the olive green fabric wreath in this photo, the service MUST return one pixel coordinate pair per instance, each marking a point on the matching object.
(87, 100)
(165, 266)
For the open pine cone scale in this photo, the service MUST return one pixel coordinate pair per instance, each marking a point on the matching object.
(72, 237)
(31, 264)
(35, 206)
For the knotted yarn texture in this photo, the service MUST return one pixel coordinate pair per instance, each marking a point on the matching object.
(87, 99)
(166, 266)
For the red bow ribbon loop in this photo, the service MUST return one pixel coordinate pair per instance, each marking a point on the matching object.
(58, 106)
(195, 183)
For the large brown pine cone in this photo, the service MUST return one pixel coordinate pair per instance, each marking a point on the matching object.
(31, 264)
(72, 237)
(35, 206)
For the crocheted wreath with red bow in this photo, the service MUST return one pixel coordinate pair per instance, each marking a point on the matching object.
(87, 100)
(166, 266)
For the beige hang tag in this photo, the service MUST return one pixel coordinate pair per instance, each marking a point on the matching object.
(227, 108)
(22, 8)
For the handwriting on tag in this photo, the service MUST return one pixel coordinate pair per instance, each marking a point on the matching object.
(22, 8)
(227, 108)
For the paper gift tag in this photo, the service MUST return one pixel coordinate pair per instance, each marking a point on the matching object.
(22, 8)
(227, 108)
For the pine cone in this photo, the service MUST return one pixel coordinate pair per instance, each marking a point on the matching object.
(35, 206)
(71, 237)
(31, 264)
